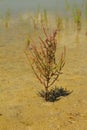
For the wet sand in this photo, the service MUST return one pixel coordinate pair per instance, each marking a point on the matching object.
(20, 106)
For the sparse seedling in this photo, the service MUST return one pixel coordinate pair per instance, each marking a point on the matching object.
(77, 18)
(39, 20)
(45, 18)
(44, 64)
(86, 11)
(7, 18)
(59, 22)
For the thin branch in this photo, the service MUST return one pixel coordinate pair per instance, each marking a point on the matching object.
(53, 81)
(37, 75)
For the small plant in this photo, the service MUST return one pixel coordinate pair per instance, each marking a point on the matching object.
(86, 11)
(7, 18)
(45, 18)
(44, 64)
(59, 22)
(34, 21)
(40, 19)
(67, 6)
(77, 15)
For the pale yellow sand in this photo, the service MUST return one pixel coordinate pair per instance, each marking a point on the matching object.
(20, 106)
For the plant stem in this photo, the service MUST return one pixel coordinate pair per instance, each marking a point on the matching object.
(46, 96)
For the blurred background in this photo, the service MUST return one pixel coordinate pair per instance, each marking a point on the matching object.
(23, 6)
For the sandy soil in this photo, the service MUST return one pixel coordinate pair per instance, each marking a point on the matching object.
(20, 106)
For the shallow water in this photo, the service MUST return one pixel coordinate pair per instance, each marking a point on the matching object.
(19, 6)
